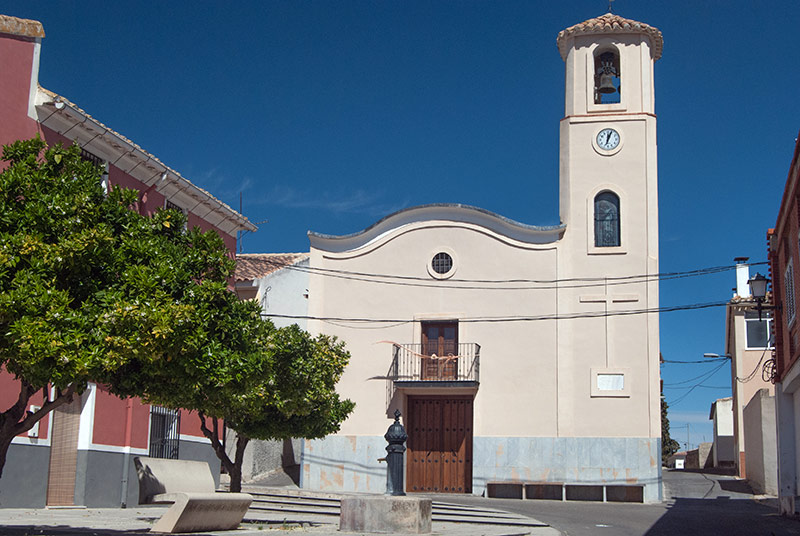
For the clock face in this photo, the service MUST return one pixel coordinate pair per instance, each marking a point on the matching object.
(608, 139)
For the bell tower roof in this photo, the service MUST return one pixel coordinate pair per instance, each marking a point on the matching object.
(610, 24)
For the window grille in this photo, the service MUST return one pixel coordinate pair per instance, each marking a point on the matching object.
(165, 426)
(442, 263)
(89, 157)
(169, 205)
(788, 280)
(606, 220)
(100, 163)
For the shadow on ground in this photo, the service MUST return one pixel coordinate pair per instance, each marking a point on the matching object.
(723, 515)
(66, 530)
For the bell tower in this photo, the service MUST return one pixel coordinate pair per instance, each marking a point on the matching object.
(608, 135)
(609, 205)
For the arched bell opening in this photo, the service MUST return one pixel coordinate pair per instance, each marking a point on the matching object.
(607, 77)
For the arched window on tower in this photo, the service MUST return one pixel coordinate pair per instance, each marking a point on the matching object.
(606, 220)
(607, 87)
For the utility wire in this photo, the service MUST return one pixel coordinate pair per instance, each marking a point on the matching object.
(501, 319)
(698, 385)
(544, 284)
(703, 377)
(698, 271)
(758, 366)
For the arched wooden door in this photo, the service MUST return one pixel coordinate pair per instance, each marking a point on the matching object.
(439, 456)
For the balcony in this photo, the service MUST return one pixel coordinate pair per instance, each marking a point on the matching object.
(411, 368)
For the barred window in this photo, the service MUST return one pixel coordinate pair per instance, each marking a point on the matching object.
(165, 427)
(101, 164)
(442, 263)
(606, 220)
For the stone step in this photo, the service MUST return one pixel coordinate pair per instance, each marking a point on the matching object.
(293, 503)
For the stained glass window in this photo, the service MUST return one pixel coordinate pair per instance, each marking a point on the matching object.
(606, 220)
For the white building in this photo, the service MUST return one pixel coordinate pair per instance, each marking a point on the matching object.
(515, 353)
(721, 414)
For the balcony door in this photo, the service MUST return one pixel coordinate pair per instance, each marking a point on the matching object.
(440, 342)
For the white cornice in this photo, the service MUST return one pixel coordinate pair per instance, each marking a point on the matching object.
(438, 215)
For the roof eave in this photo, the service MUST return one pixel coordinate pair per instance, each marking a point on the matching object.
(72, 122)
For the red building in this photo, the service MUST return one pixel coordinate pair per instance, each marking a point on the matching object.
(81, 453)
(784, 260)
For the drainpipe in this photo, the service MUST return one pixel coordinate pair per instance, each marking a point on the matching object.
(126, 460)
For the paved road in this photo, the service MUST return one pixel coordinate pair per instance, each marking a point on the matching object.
(695, 503)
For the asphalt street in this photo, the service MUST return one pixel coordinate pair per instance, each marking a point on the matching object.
(695, 503)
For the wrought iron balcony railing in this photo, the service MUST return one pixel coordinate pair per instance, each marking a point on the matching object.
(410, 364)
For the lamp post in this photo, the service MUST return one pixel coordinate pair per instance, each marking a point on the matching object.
(758, 288)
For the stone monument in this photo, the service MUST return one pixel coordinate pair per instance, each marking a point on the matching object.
(393, 512)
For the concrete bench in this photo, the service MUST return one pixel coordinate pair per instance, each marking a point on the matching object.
(561, 491)
(189, 486)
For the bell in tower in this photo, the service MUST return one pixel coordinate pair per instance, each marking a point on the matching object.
(606, 78)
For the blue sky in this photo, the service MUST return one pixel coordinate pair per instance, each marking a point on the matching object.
(329, 115)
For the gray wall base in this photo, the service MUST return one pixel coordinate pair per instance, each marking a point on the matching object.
(98, 481)
(24, 481)
(349, 463)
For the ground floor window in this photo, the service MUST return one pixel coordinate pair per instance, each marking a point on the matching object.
(165, 426)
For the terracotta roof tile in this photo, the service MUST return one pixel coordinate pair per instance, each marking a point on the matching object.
(23, 27)
(611, 23)
(254, 265)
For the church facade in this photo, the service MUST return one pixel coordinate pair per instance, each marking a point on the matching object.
(515, 353)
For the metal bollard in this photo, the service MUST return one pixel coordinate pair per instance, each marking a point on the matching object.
(396, 436)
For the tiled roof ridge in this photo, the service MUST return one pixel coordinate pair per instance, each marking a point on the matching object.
(256, 255)
(24, 27)
(255, 265)
(611, 23)
(56, 97)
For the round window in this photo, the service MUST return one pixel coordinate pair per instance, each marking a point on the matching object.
(442, 263)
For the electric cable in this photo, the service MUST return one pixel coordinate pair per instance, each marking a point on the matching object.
(501, 319)
(544, 284)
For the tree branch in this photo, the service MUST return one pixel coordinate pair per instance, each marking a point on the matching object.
(213, 436)
(31, 418)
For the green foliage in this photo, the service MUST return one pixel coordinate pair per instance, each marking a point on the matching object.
(89, 287)
(668, 445)
(90, 290)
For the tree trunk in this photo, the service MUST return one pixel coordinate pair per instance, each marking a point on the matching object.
(234, 467)
(18, 420)
(236, 473)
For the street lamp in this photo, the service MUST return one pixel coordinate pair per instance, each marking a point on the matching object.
(716, 356)
(758, 288)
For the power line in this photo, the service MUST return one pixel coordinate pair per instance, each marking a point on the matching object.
(716, 360)
(538, 284)
(703, 377)
(698, 385)
(500, 319)
(753, 374)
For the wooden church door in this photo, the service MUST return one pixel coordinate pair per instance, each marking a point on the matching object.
(439, 457)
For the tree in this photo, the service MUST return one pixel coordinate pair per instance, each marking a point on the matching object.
(296, 398)
(274, 384)
(668, 445)
(90, 290)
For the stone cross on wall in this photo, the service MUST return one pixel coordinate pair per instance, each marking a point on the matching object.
(608, 300)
